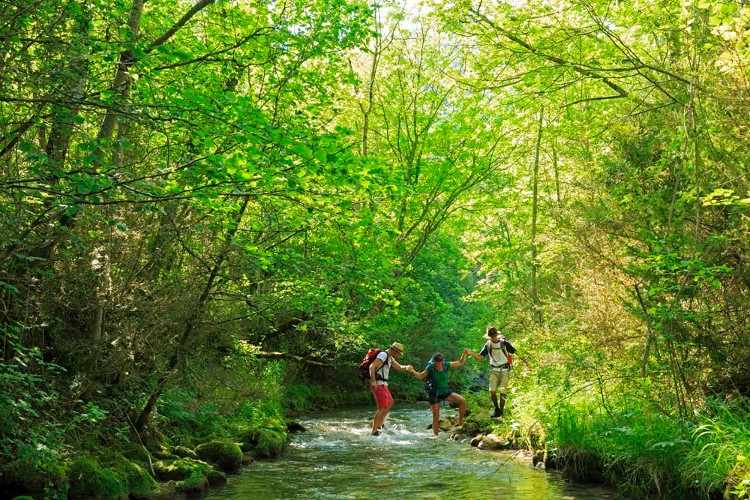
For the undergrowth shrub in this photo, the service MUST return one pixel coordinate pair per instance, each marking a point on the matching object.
(26, 399)
(187, 420)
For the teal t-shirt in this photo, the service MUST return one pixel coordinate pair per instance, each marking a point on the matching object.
(439, 378)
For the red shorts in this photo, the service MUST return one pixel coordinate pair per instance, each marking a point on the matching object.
(383, 396)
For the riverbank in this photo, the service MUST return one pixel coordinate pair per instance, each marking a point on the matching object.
(644, 454)
(174, 458)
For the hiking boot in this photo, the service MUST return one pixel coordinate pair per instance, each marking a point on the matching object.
(497, 413)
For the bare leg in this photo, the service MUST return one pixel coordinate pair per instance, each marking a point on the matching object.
(493, 395)
(503, 397)
(435, 418)
(380, 415)
(461, 401)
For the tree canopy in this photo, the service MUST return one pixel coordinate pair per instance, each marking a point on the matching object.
(244, 196)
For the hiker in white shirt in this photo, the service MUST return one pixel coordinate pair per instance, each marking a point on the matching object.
(499, 351)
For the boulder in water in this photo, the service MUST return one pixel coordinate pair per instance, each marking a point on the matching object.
(493, 442)
(227, 456)
(295, 427)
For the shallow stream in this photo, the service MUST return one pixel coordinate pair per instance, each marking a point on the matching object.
(336, 458)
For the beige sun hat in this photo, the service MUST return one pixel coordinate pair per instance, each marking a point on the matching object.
(397, 346)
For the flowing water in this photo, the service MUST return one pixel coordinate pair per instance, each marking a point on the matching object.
(338, 459)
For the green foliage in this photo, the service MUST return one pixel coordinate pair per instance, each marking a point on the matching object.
(27, 398)
(641, 452)
(308, 396)
(188, 420)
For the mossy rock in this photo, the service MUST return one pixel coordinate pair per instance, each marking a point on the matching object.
(193, 486)
(135, 452)
(226, 456)
(26, 477)
(248, 439)
(23, 497)
(88, 480)
(162, 492)
(181, 469)
(183, 452)
(247, 458)
(468, 430)
(154, 439)
(137, 479)
(265, 440)
(216, 478)
(163, 454)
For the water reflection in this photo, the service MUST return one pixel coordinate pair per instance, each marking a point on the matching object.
(337, 458)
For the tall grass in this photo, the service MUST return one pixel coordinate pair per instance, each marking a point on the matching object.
(644, 452)
(720, 456)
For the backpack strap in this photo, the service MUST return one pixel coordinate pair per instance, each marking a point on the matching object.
(378, 372)
(502, 348)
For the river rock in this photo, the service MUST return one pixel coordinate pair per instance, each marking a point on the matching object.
(295, 427)
(216, 478)
(469, 429)
(179, 470)
(226, 456)
(493, 442)
(444, 424)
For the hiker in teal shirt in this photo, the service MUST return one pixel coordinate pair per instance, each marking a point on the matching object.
(438, 371)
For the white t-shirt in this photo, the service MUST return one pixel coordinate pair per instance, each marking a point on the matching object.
(384, 369)
(497, 354)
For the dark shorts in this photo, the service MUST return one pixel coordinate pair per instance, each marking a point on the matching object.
(435, 398)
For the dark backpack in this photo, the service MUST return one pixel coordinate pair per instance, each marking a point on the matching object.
(429, 384)
(364, 366)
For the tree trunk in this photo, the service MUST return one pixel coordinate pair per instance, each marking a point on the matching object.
(534, 214)
(192, 321)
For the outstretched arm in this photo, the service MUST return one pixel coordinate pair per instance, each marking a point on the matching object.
(476, 356)
(460, 362)
(400, 367)
(420, 375)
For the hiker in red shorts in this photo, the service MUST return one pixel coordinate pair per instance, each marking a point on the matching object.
(379, 370)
